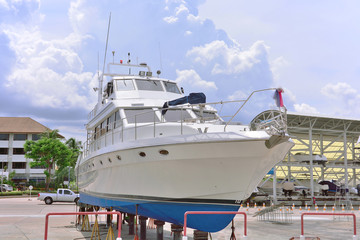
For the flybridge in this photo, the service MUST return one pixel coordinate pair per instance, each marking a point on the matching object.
(126, 69)
(118, 70)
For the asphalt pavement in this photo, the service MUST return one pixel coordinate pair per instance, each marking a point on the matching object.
(24, 218)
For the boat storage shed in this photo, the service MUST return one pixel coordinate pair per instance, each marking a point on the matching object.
(333, 143)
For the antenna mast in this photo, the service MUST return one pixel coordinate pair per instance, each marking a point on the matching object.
(102, 75)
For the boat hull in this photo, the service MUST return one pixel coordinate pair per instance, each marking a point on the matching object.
(201, 175)
(170, 210)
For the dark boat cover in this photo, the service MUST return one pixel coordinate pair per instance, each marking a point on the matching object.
(193, 98)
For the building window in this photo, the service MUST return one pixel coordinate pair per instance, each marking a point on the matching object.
(18, 151)
(37, 167)
(35, 137)
(4, 137)
(20, 137)
(3, 165)
(19, 165)
(4, 151)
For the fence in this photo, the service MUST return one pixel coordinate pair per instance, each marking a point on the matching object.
(302, 237)
(83, 213)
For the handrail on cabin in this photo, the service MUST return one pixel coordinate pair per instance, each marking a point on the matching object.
(187, 106)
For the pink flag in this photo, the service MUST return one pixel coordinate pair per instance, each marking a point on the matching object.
(278, 97)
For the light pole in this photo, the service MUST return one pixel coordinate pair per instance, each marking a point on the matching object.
(69, 178)
(2, 175)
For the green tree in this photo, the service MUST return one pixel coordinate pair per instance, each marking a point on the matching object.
(63, 175)
(75, 148)
(48, 152)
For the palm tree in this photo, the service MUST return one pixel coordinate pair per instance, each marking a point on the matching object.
(52, 134)
(75, 147)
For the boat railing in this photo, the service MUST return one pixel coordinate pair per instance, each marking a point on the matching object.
(92, 113)
(133, 128)
(244, 102)
(274, 122)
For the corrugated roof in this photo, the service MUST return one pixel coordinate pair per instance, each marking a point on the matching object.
(300, 123)
(21, 125)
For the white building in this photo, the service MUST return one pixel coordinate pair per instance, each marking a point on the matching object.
(14, 131)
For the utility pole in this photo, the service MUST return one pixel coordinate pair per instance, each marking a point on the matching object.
(2, 174)
(69, 178)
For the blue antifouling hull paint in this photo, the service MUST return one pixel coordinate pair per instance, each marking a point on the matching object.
(172, 212)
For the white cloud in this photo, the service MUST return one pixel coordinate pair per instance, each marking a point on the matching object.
(170, 19)
(192, 78)
(21, 8)
(339, 90)
(194, 19)
(288, 94)
(180, 11)
(305, 108)
(48, 73)
(76, 14)
(4, 4)
(187, 33)
(49, 67)
(228, 59)
(81, 14)
(238, 95)
(277, 65)
(346, 98)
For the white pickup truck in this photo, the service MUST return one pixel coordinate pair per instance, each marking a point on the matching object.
(62, 195)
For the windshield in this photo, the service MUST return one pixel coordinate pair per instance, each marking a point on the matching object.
(149, 85)
(171, 87)
(124, 85)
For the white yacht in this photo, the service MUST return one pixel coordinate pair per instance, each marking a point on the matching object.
(151, 150)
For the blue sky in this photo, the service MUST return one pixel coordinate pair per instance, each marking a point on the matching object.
(226, 49)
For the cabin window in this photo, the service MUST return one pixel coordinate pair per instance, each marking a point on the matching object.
(103, 126)
(206, 115)
(149, 85)
(124, 85)
(141, 115)
(118, 120)
(176, 115)
(110, 122)
(171, 87)
(97, 131)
